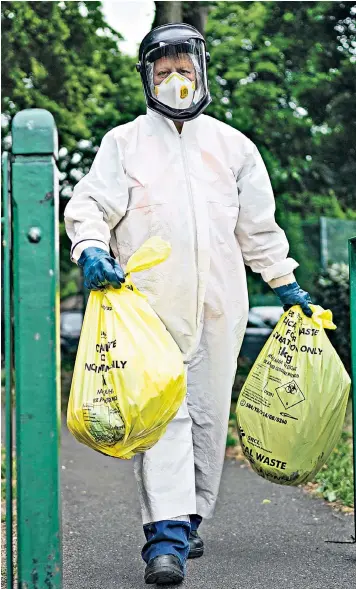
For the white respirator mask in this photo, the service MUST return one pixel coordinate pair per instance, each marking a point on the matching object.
(175, 91)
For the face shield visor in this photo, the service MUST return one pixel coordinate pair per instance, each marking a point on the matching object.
(175, 80)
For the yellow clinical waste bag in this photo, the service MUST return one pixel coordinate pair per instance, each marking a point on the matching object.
(129, 379)
(291, 409)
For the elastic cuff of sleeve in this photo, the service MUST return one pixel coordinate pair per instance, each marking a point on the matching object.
(279, 269)
(282, 281)
(80, 246)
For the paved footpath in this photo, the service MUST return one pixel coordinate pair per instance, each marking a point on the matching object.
(249, 545)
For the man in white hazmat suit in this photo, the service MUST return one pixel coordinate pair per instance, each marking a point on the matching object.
(202, 186)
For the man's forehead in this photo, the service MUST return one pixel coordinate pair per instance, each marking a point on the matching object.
(182, 58)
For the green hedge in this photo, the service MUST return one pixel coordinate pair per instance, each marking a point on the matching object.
(333, 292)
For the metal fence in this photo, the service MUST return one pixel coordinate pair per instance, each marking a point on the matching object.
(334, 235)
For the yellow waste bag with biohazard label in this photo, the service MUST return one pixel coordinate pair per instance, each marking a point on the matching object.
(291, 409)
(129, 379)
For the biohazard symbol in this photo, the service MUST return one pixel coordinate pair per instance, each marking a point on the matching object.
(291, 388)
(290, 395)
(184, 92)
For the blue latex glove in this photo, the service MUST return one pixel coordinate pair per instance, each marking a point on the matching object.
(100, 269)
(292, 294)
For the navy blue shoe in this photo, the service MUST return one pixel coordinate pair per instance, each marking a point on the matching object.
(165, 569)
(196, 545)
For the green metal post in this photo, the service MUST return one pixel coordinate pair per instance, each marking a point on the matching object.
(36, 335)
(8, 363)
(352, 263)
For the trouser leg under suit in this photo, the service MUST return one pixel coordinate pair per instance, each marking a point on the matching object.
(181, 473)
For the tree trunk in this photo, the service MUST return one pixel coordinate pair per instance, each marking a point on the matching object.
(196, 14)
(167, 12)
(191, 13)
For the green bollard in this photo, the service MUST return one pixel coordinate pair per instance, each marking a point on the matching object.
(37, 348)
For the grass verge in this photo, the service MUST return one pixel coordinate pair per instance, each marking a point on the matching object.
(334, 482)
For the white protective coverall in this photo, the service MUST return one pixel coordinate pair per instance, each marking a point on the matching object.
(207, 192)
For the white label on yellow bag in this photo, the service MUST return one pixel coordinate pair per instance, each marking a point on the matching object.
(102, 415)
(104, 422)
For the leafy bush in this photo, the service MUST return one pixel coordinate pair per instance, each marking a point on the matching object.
(231, 440)
(333, 292)
(335, 479)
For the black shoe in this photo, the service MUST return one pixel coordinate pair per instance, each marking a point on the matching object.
(164, 569)
(196, 545)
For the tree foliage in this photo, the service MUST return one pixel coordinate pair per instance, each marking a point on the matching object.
(283, 73)
(64, 57)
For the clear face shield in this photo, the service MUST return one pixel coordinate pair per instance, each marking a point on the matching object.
(176, 77)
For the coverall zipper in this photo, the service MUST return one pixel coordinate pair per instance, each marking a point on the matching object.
(190, 193)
